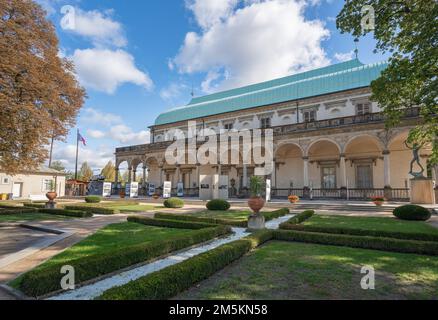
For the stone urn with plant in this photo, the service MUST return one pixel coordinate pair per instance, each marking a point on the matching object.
(256, 202)
(51, 194)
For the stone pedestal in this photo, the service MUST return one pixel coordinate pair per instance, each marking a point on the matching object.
(50, 205)
(256, 222)
(422, 191)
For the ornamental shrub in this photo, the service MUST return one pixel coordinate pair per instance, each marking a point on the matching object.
(412, 212)
(173, 203)
(93, 199)
(218, 205)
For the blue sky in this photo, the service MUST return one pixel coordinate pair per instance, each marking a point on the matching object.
(138, 58)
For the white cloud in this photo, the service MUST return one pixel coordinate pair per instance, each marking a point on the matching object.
(210, 12)
(175, 93)
(105, 70)
(127, 136)
(91, 115)
(252, 41)
(96, 134)
(341, 57)
(96, 157)
(99, 27)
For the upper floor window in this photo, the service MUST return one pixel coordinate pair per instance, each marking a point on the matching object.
(48, 185)
(228, 126)
(363, 108)
(265, 123)
(309, 115)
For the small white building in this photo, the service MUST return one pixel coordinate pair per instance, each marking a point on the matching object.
(33, 184)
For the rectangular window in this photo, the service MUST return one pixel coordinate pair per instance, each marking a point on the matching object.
(228, 126)
(363, 108)
(5, 180)
(309, 115)
(265, 123)
(48, 184)
(328, 177)
(364, 176)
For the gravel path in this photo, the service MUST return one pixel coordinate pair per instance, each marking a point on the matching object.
(94, 290)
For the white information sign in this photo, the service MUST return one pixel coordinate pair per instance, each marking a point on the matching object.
(268, 190)
(167, 189)
(107, 189)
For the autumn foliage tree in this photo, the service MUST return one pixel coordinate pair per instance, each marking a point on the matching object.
(39, 94)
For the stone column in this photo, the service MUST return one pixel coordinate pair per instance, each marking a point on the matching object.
(274, 175)
(306, 172)
(343, 169)
(306, 189)
(129, 175)
(178, 173)
(386, 168)
(387, 174)
(197, 174)
(245, 176)
(343, 173)
(134, 175)
(160, 168)
(144, 175)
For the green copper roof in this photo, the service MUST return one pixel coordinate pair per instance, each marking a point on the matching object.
(338, 77)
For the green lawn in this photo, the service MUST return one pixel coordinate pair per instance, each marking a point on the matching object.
(31, 217)
(371, 223)
(288, 270)
(113, 237)
(238, 215)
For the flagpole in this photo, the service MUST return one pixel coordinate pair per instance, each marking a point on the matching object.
(77, 149)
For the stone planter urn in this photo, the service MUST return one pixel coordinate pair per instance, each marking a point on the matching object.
(51, 195)
(256, 221)
(122, 194)
(379, 203)
(155, 196)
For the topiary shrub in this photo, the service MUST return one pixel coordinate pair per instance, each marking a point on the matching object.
(173, 203)
(218, 205)
(412, 212)
(93, 199)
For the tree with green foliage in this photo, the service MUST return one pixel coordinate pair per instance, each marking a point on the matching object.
(86, 173)
(57, 165)
(408, 30)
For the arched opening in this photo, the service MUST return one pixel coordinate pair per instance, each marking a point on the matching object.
(324, 171)
(365, 167)
(288, 174)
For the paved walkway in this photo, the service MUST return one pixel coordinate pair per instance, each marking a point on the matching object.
(94, 290)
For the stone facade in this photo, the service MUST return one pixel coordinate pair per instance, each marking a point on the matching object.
(322, 146)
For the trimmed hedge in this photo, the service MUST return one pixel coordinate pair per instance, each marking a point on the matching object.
(179, 224)
(35, 205)
(180, 217)
(17, 210)
(375, 243)
(94, 209)
(412, 212)
(93, 199)
(275, 214)
(174, 279)
(236, 223)
(297, 219)
(68, 213)
(218, 205)
(362, 232)
(44, 280)
(173, 203)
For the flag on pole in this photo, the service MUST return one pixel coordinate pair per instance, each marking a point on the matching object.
(82, 139)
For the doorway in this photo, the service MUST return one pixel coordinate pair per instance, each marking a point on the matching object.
(17, 190)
